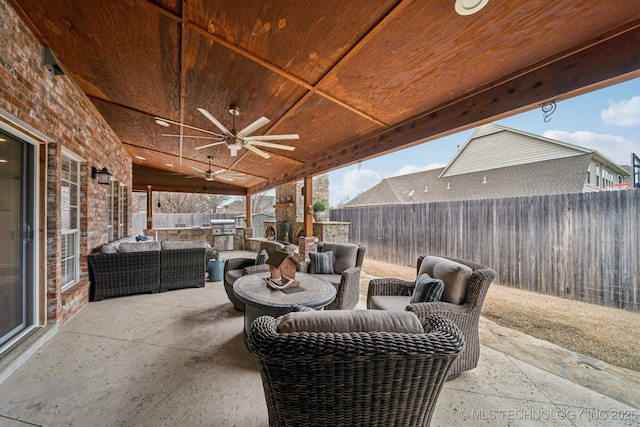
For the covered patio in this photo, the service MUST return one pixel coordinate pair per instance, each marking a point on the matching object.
(179, 358)
(100, 99)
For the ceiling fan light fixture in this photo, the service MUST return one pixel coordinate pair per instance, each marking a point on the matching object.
(469, 7)
(162, 122)
(234, 149)
(233, 110)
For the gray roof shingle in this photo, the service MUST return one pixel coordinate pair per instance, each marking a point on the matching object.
(563, 175)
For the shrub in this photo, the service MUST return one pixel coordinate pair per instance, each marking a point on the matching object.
(319, 206)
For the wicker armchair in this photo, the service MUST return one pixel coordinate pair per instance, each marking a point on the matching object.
(465, 315)
(347, 279)
(237, 267)
(353, 379)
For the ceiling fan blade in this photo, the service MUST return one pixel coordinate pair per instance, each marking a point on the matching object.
(271, 145)
(209, 145)
(217, 136)
(273, 137)
(257, 151)
(253, 126)
(187, 126)
(225, 177)
(215, 121)
(199, 170)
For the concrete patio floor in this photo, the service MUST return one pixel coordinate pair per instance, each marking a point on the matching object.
(178, 359)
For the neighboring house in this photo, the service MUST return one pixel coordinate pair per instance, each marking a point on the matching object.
(264, 204)
(498, 162)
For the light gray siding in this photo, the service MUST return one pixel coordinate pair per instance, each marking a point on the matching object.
(504, 148)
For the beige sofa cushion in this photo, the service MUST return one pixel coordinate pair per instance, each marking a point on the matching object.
(177, 244)
(139, 247)
(345, 321)
(388, 302)
(232, 275)
(454, 275)
(344, 255)
(110, 248)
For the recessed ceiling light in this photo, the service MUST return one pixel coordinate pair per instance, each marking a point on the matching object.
(162, 123)
(3, 161)
(141, 158)
(168, 164)
(2, 140)
(469, 7)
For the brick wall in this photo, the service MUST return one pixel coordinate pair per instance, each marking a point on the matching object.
(55, 106)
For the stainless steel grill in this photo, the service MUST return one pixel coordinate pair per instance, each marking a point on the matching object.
(223, 231)
(223, 226)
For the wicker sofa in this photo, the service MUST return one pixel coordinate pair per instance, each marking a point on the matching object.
(128, 267)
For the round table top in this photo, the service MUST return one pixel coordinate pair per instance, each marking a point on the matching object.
(252, 289)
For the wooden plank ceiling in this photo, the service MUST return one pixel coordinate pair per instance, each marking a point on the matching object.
(355, 79)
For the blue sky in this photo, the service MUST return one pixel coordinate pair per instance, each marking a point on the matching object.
(607, 120)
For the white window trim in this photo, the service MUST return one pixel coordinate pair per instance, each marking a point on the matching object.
(122, 194)
(79, 160)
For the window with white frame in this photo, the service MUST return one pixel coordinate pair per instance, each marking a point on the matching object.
(110, 210)
(121, 209)
(70, 217)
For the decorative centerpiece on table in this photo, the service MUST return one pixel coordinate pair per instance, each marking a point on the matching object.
(319, 211)
(283, 268)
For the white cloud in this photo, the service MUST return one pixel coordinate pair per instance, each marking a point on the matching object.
(405, 170)
(617, 148)
(623, 113)
(353, 183)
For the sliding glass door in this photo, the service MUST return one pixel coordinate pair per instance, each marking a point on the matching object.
(17, 187)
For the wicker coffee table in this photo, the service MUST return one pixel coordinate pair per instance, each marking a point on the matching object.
(260, 300)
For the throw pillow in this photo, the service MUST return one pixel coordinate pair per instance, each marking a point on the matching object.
(345, 255)
(321, 263)
(454, 275)
(262, 257)
(427, 289)
(141, 238)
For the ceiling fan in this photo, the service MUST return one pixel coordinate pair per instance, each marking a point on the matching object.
(235, 140)
(210, 175)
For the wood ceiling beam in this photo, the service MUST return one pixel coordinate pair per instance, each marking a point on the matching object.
(162, 181)
(183, 69)
(282, 73)
(260, 61)
(595, 65)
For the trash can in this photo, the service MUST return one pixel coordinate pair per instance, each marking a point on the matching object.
(216, 270)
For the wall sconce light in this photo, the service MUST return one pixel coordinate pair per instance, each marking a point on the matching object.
(50, 62)
(103, 176)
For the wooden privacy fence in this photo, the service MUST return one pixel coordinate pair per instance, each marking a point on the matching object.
(581, 246)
